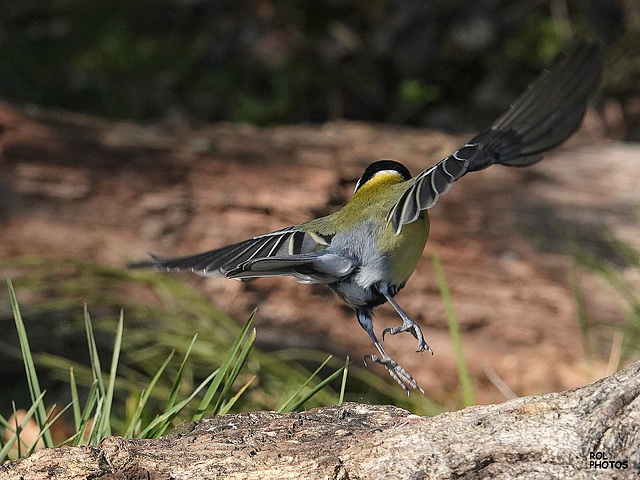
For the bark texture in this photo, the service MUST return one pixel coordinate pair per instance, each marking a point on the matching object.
(547, 436)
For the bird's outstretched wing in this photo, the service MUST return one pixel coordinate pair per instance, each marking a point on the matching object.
(541, 118)
(290, 251)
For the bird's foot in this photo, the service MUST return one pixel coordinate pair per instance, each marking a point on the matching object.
(409, 325)
(397, 372)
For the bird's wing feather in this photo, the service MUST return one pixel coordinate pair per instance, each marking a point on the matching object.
(288, 242)
(541, 118)
(306, 268)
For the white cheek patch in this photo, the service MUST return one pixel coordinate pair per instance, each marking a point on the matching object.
(377, 174)
(382, 172)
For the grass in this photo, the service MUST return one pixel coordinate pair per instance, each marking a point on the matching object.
(464, 379)
(93, 418)
(36, 394)
(187, 309)
(625, 337)
(616, 269)
(141, 377)
(171, 313)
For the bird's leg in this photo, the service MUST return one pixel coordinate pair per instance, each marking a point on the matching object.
(397, 372)
(408, 325)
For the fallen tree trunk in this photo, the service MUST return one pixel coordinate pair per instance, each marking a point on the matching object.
(590, 432)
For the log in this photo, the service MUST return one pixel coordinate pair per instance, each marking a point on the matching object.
(585, 433)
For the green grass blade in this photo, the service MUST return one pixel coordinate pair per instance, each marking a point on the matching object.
(174, 391)
(229, 405)
(223, 370)
(104, 429)
(285, 407)
(94, 359)
(621, 285)
(343, 386)
(80, 437)
(168, 416)
(454, 330)
(16, 432)
(145, 397)
(630, 255)
(93, 436)
(50, 422)
(618, 281)
(75, 400)
(45, 428)
(32, 376)
(176, 383)
(5, 423)
(316, 389)
(231, 378)
(18, 429)
(582, 318)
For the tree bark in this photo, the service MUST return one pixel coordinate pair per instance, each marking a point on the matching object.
(556, 435)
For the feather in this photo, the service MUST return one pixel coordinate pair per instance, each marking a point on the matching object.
(541, 118)
(310, 268)
(288, 242)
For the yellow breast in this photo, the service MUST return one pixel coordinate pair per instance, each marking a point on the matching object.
(370, 206)
(405, 249)
(374, 200)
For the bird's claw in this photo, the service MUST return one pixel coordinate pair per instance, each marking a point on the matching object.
(415, 330)
(397, 372)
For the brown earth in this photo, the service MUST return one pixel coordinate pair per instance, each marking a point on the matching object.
(81, 187)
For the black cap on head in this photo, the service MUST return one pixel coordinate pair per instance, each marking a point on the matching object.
(382, 166)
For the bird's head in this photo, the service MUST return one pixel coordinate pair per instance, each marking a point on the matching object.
(383, 173)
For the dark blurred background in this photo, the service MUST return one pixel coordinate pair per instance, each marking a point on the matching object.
(447, 64)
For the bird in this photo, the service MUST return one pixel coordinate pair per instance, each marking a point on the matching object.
(366, 251)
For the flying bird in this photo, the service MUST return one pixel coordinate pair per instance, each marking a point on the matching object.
(367, 251)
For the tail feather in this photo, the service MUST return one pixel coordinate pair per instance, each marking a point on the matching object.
(219, 262)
